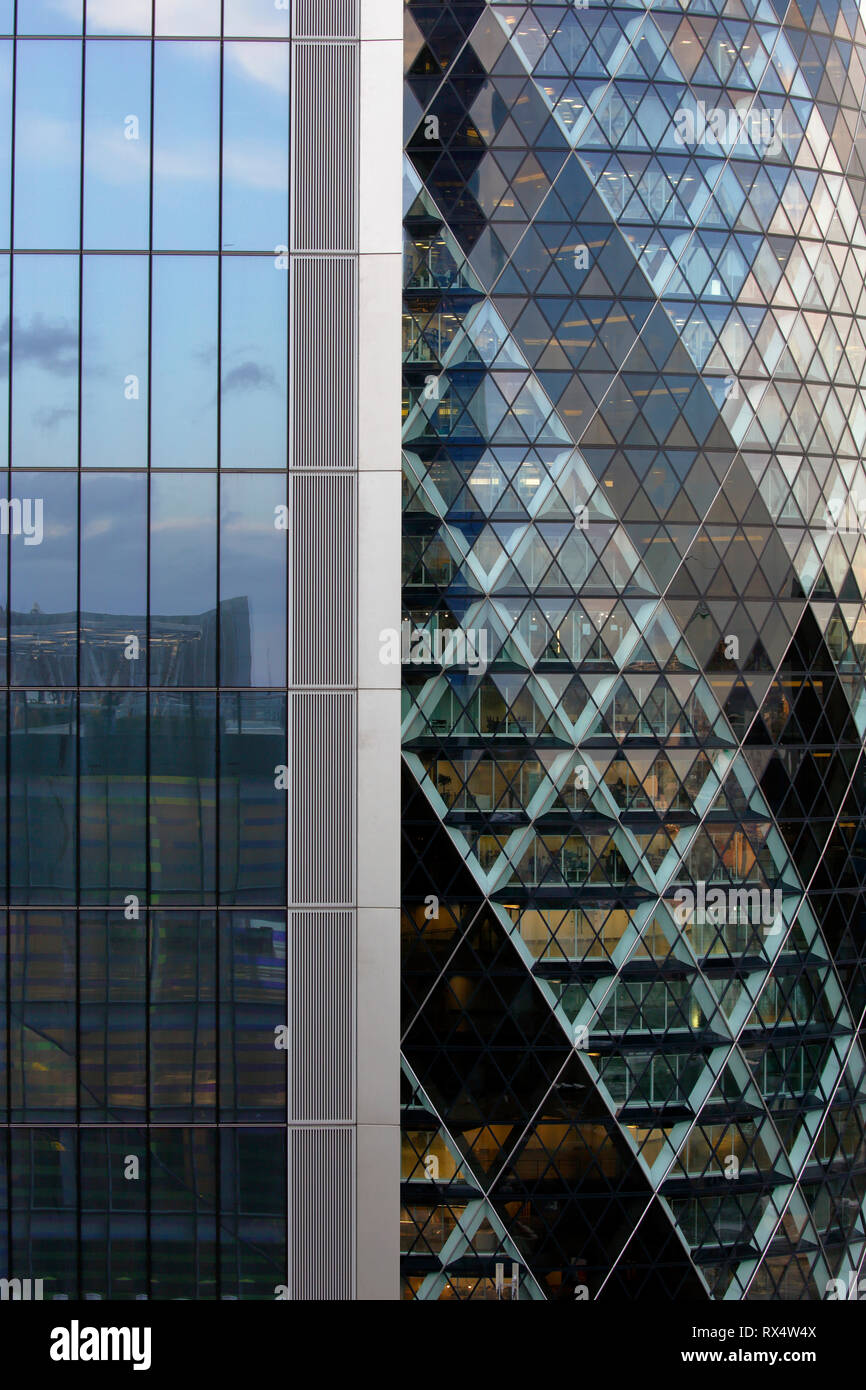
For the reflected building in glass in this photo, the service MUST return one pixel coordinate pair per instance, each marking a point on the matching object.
(198, 965)
(634, 432)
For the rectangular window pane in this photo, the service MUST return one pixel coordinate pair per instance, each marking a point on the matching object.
(114, 366)
(183, 798)
(42, 812)
(117, 146)
(186, 147)
(256, 146)
(47, 143)
(112, 796)
(183, 533)
(113, 646)
(253, 814)
(182, 1015)
(254, 363)
(45, 362)
(184, 362)
(253, 553)
(44, 540)
(252, 1007)
(114, 1222)
(113, 975)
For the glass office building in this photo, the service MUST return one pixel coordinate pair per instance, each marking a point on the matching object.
(634, 700)
(186, 933)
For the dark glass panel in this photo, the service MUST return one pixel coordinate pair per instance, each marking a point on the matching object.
(253, 1253)
(253, 809)
(183, 798)
(183, 1228)
(112, 797)
(112, 1022)
(43, 1180)
(253, 1005)
(44, 1035)
(114, 1213)
(42, 813)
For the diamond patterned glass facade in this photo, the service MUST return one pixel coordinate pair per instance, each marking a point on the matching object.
(634, 433)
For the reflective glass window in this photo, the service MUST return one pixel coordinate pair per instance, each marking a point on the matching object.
(254, 363)
(117, 146)
(47, 144)
(45, 362)
(186, 146)
(114, 362)
(253, 560)
(113, 617)
(183, 579)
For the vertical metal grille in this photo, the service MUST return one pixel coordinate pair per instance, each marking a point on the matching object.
(323, 1016)
(324, 146)
(324, 316)
(324, 586)
(323, 799)
(326, 19)
(323, 1213)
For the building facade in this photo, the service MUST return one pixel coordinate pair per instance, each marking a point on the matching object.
(200, 746)
(634, 579)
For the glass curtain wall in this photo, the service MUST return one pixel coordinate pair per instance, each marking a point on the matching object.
(144, 170)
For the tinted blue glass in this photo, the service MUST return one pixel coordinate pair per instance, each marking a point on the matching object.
(5, 140)
(42, 773)
(112, 758)
(114, 362)
(113, 579)
(184, 362)
(117, 146)
(253, 817)
(182, 1015)
(49, 16)
(183, 798)
(43, 512)
(183, 580)
(112, 994)
(254, 363)
(253, 552)
(47, 144)
(45, 362)
(186, 147)
(255, 146)
(108, 17)
(256, 19)
(188, 17)
(5, 267)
